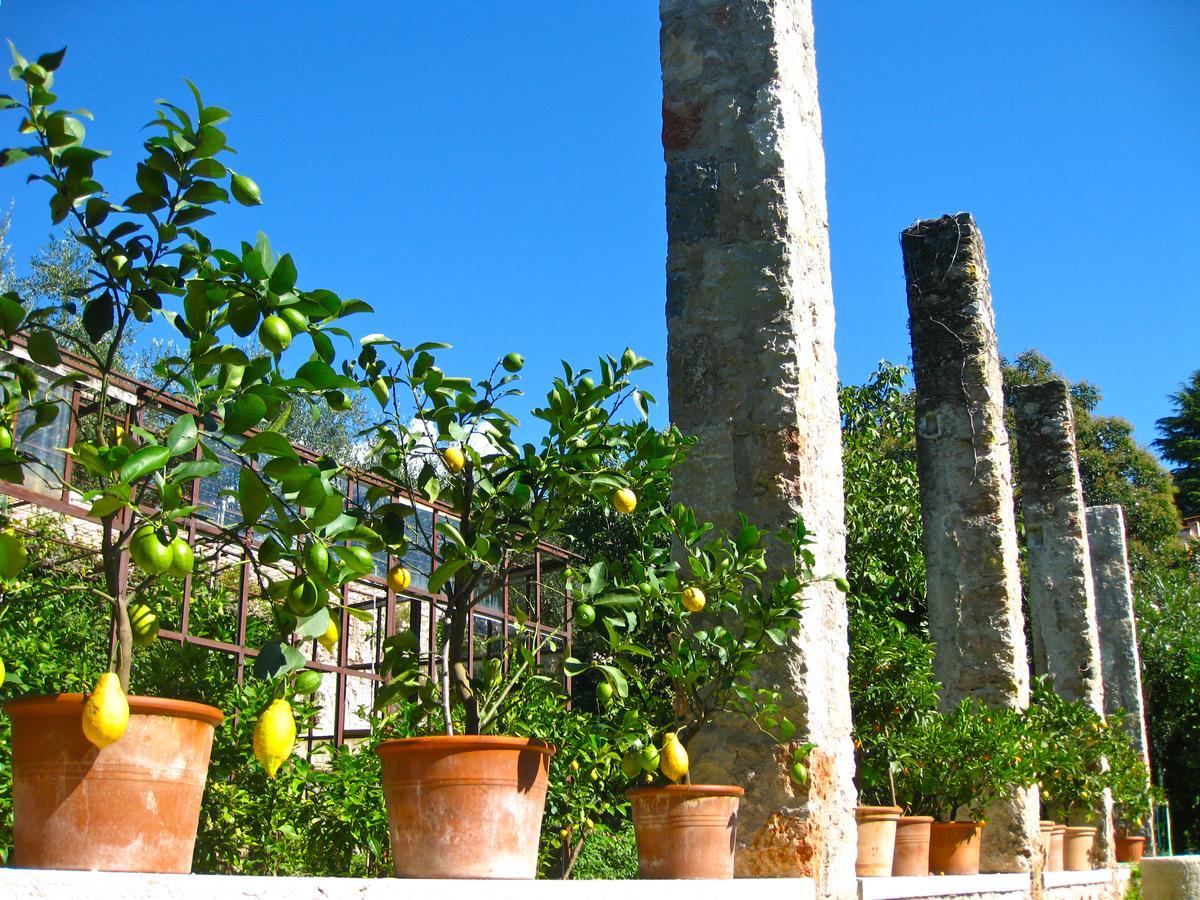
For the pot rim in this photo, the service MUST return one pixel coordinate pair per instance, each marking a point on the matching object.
(915, 820)
(59, 704)
(464, 742)
(702, 790)
(957, 824)
(1080, 829)
(879, 809)
(1130, 837)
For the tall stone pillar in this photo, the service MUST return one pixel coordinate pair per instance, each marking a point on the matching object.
(1120, 664)
(973, 583)
(1066, 640)
(752, 373)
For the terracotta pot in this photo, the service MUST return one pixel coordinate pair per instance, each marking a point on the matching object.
(685, 830)
(131, 807)
(912, 846)
(1077, 847)
(876, 840)
(1130, 847)
(1045, 835)
(954, 848)
(465, 806)
(1054, 862)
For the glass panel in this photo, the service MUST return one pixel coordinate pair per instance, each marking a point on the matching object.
(43, 446)
(553, 591)
(419, 528)
(221, 510)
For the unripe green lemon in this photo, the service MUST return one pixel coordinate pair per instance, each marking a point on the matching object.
(308, 682)
(149, 552)
(631, 765)
(649, 759)
(183, 559)
(275, 334)
(13, 555)
(585, 615)
(604, 693)
(297, 321)
(317, 557)
(144, 624)
(514, 362)
(6, 438)
(303, 597)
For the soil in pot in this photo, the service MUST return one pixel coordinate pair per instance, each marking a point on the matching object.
(465, 806)
(876, 840)
(954, 848)
(1077, 847)
(912, 846)
(685, 830)
(1054, 862)
(131, 807)
(1130, 848)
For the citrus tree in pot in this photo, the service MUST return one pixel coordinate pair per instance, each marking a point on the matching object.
(1133, 794)
(953, 765)
(464, 801)
(134, 467)
(694, 611)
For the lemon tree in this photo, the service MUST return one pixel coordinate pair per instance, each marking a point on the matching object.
(450, 440)
(150, 262)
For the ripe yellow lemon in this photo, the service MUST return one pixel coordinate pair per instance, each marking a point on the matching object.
(144, 623)
(674, 759)
(454, 459)
(1, 673)
(693, 599)
(625, 501)
(329, 639)
(399, 578)
(106, 713)
(274, 736)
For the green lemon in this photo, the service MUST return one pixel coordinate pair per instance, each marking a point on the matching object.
(649, 759)
(150, 554)
(631, 765)
(303, 597)
(308, 682)
(317, 558)
(245, 191)
(514, 362)
(604, 693)
(585, 615)
(275, 334)
(297, 321)
(12, 555)
(183, 559)
(144, 624)
(6, 438)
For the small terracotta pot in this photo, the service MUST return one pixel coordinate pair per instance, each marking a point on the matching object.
(1045, 835)
(685, 830)
(954, 848)
(1077, 847)
(465, 806)
(912, 846)
(1054, 862)
(131, 807)
(1130, 847)
(876, 840)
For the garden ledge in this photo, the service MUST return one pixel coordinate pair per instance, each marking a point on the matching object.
(993, 887)
(42, 884)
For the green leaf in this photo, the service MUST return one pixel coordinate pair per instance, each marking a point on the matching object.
(252, 495)
(283, 279)
(43, 348)
(196, 468)
(277, 658)
(244, 413)
(143, 462)
(183, 436)
(444, 573)
(269, 443)
(314, 625)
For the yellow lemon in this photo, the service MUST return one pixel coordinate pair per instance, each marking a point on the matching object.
(674, 759)
(693, 599)
(1, 673)
(144, 623)
(329, 639)
(274, 736)
(106, 713)
(454, 459)
(399, 578)
(625, 501)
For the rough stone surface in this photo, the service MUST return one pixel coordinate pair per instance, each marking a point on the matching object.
(752, 373)
(1171, 877)
(1066, 639)
(973, 582)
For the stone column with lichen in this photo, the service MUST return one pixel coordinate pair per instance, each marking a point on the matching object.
(752, 374)
(973, 582)
(1066, 638)
(1119, 659)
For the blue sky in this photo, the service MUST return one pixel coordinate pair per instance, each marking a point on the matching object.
(491, 175)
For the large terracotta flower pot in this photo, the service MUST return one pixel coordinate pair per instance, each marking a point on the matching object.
(1055, 861)
(465, 806)
(1045, 836)
(912, 846)
(876, 840)
(1077, 847)
(954, 848)
(131, 807)
(1130, 847)
(685, 830)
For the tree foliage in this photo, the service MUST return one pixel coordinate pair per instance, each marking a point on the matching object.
(1179, 443)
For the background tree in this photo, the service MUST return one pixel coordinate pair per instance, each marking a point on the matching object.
(1180, 444)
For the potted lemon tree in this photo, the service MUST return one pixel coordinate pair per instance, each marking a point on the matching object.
(108, 779)
(692, 629)
(452, 444)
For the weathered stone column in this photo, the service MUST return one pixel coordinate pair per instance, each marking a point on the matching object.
(973, 583)
(752, 373)
(1066, 640)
